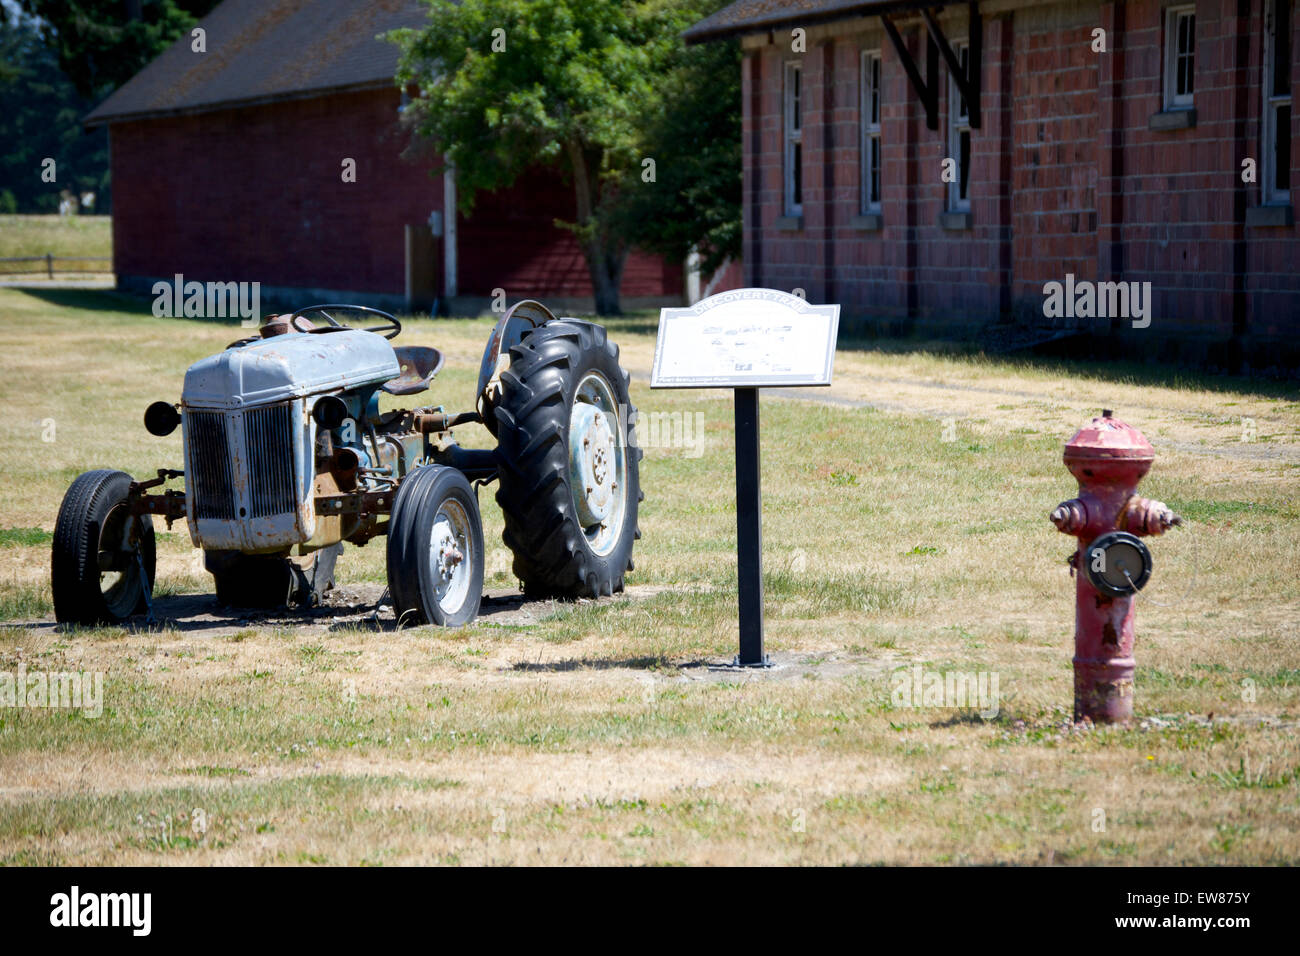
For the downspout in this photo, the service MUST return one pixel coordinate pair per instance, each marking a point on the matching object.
(1240, 197)
(752, 227)
(449, 278)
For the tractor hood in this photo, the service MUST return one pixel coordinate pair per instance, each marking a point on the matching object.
(290, 366)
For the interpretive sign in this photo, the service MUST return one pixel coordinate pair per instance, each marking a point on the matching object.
(745, 340)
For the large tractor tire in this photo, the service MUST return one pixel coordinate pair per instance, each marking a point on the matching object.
(260, 581)
(103, 558)
(435, 549)
(568, 462)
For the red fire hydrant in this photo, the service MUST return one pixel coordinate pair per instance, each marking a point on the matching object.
(1111, 565)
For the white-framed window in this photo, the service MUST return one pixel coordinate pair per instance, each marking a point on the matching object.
(1180, 57)
(1276, 140)
(793, 96)
(869, 103)
(959, 134)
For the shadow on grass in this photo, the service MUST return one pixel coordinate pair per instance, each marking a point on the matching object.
(112, 300)
(965, 718)
(1062, 356)
(1057, 354)
(91, 300)
(1128, 372)
(125, 303)
(656, 662)
(1071, 356)
(345, 610)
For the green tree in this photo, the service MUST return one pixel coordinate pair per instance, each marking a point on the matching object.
(505, 85)
(101, 44)
(693, 132)
(40, 118)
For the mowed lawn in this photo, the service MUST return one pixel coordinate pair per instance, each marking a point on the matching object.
(66, 237)
(905, 523)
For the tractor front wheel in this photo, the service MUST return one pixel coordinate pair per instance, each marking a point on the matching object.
(103, 561)
(435, 549)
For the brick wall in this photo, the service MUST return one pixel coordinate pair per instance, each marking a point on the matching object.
(256, 194)
(1054, 160)
(1067, 175)
(511, 242)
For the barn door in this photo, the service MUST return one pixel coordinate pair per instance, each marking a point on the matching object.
(422, 261)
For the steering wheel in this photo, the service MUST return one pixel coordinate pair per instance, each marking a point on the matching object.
(388, 329)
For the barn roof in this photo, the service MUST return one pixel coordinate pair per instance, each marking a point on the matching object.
(753, 16)
(264, 50)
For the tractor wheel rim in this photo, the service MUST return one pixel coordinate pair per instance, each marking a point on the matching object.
(451, 556)
(598, 462)
(119, 571)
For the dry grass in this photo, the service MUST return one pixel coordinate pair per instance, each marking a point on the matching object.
(69, 236)
(597, 734)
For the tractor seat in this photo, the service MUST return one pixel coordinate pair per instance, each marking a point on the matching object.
(419, 365)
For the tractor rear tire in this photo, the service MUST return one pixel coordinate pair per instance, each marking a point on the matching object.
(103, 559)
(260, 581)
(435, 549)
(570, 520)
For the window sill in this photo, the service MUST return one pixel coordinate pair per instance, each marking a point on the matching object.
(1269, 216)
(1176, 118)
(867, 222)
(954, 221)
(789, 223)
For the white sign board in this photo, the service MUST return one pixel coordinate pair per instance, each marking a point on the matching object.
(746, 338)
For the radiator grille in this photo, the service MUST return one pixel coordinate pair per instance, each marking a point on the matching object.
(268, 439)
(209, 476)
(267, 455)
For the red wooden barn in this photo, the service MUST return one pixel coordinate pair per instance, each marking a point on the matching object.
(228, 166)
(929, 164)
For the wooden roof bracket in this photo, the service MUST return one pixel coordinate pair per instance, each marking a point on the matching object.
(927, 89)
(936, 44)
(968, 80)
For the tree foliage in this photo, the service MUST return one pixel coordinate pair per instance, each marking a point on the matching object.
(40, 118)
(693, 134)
(101, 44)
(507, 85)
(58, 58)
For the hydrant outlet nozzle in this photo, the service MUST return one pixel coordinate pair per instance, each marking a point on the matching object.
(1149, 517)
(1069, 516)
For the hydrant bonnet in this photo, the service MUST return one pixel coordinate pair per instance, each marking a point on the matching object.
(1108, 439)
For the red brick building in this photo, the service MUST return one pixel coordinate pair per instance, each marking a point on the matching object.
(1107, 141)
(228, 165)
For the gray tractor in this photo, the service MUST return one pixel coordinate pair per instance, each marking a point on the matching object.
(287, 456)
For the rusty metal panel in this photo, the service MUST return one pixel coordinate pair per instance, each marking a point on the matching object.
(289, 366)
(256, 496)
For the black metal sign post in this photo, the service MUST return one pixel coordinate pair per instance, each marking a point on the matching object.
(749, 530)
(745, 340)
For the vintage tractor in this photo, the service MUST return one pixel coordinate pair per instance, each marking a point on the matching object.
(287, 455)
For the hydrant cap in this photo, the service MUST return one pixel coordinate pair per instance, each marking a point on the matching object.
(1107, 438)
